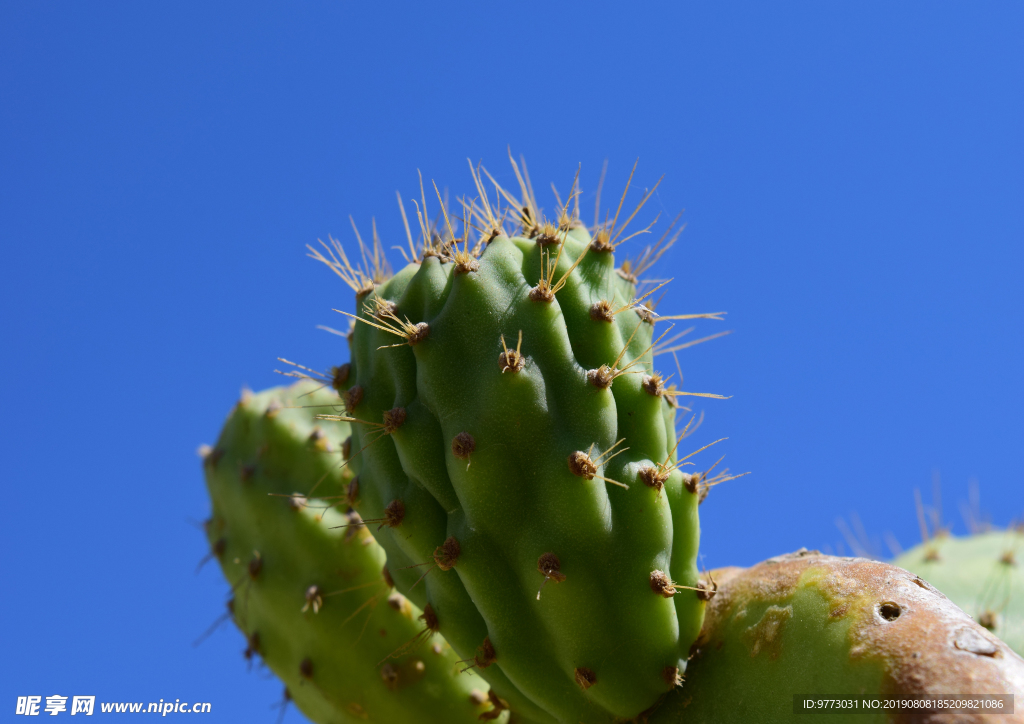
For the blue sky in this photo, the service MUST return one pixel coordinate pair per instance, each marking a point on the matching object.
(852, 174)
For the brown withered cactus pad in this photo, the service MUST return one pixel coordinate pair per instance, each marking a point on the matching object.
(813, 626)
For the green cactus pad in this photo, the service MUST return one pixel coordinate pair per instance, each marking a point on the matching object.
(821, 627)
(982, 574)
(514, 444)
(309, 593)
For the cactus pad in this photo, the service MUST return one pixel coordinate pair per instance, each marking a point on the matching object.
(817, 626)
(516, 452)
(310, 591)
(982, 574)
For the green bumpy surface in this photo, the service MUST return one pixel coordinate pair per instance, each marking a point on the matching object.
(331, 650)
(600, 644)
(981, 574)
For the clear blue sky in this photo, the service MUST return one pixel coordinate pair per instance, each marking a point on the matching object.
(852, 174)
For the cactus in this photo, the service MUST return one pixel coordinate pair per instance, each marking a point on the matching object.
(981, 574)
(309, 586)
(810, 625)
(516, 452)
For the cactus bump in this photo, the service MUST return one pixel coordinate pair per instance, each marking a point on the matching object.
(310, 589)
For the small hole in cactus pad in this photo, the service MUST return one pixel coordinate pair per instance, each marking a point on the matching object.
(889, 611)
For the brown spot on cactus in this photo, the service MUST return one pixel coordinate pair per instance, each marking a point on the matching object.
(393, 419)
(465, 265)
(346, 448)
(706, 589)
(314, 599)
(272, 409)
(602, 377)
(547, 235)
(989, 619)
(662, 584)
(1008, 559)
(601, 243)
(766, 635)
(581, 465)
(653, 384)
(246, 472)
(498, 706)
(551, 568)
(585, 677)
(213, 457)
(541, 294)
(429, 619)
(383, 308)
(652, 477)
(318, 440)
(511, 360)
(691, 482)
(339, 376)
(671, 676)
(601, 311)
(219, 546)
(394, 513)
(447, 554)
(463, 445)
(484, 657)
(352, 397)
(252, 647)
(352, 492)
(396, 601)
(419, 333)
(389, 675)
(255, 565)
(477, 697)
(387, 577)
